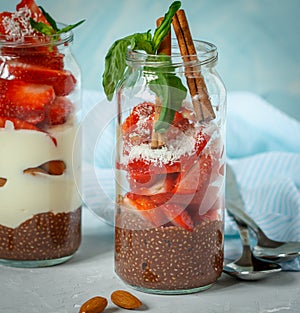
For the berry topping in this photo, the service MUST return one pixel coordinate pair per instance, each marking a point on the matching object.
(25, 101)
(62, 81)
(58, 111)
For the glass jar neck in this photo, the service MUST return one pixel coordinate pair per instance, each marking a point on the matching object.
(33, 41)
(207, 55)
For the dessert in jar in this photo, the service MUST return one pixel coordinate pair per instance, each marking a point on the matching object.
(169, 159)
(40, 203)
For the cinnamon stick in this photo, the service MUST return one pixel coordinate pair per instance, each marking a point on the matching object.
(195, 81)
(157, 139)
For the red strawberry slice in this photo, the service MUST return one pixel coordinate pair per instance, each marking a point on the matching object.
(158, 184)
(179, 125)
(18, 124)
(16, 25)
(46, 58)
(162, 198)
(62, 81)
(4, 16)
(178, 216)
(140, 112)
(146, 208)
(142, 170)
(196, 178)
(58, 111)
(137, 126)
(24, 101)
(36, 13)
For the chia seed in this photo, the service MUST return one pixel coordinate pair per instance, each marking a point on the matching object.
(45, 236)
(168, 257)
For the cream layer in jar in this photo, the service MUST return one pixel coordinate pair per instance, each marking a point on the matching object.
(24, 194)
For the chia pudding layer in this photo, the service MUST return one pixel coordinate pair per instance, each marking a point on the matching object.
(168, 257)
(45, 236)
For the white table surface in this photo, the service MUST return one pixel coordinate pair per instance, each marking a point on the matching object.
(63, 288)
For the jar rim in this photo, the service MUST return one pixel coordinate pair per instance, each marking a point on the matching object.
(206, 53)
(55, 40)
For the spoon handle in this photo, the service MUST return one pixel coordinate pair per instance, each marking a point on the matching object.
(246, 258)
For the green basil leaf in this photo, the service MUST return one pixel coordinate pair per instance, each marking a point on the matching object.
(41, 27)
(164, 28)
(115, 60)
(171, 92)
(69, 27)
(50, 20)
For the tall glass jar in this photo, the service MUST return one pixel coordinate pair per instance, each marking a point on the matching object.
(40, 203)
(170, 178)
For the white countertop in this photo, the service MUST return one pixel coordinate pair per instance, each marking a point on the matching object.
(63, 288)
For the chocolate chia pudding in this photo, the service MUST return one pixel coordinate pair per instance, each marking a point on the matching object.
(168, 257)
(45, 236)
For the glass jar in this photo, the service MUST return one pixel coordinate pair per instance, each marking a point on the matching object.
(40, 203)
(170, 175)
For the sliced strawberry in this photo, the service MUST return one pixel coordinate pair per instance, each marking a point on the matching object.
(196, 178)
(25, 101)
(51, 60)
(36, 13)
(58, 111)
(16, 25)
(157, 184)
(178, 216)
(140, 112)
(179, 125)
(142, 170)
(146, 208)
(202, 139)
(4, 16)
(162, 198)
(137, 127)
(63, 82)
(18, 124)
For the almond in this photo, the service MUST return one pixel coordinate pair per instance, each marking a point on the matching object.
(125, 300)
(34, 171)
(55, 167)
(2, 181)
(94, 305)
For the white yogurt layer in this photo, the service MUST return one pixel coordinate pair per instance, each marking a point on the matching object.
(24, 195)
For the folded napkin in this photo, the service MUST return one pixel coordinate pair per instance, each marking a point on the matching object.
(263, 148)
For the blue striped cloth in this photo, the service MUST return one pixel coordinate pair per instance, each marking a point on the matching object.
(263, 148)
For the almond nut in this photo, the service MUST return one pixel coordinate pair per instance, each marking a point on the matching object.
(125, 300)
(55, 167)
(34, 171)
(2, 181)
(94, 305)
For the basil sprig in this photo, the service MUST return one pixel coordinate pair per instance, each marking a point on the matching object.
(115, 64)
(166, 85)
(52, 28)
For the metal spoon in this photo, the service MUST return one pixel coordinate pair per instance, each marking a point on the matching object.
(247, 267)
(265, 248)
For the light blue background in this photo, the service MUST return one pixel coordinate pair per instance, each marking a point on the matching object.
(258, 40)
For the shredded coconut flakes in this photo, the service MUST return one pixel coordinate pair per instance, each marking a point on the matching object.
(182, 145)
(18, 25)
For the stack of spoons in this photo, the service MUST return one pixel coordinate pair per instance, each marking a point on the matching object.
(261, 260)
